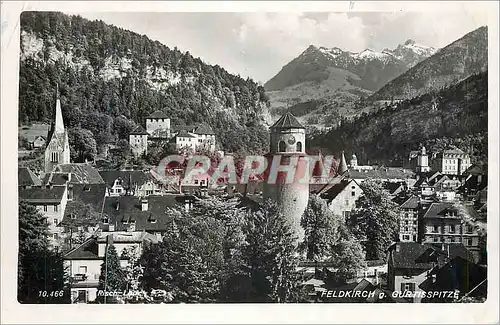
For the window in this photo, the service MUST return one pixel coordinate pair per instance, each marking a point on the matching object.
(346, 202)
(55, 236)
(406, 229)
(409, 286)
(353, 193)
(469, 241)
(55, 208)
(452, 229)
(105, 220)
(54, 157)
(406, 237)
(149, 192)
(111, 190)
(56, 221)
(281, 146)
(196, 182)
(82, 269)
(45, 208)
(73, 216)
(435, 228)
(299, 146)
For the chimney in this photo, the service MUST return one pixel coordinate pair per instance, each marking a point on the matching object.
(144, 205)
(117, 206)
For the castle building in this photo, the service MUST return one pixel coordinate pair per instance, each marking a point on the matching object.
(422, 161)
(158, 125)
(287, 144)
(138, 140)
(57, 151)
(452, 161)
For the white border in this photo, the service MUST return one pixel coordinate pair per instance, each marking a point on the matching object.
(13, 312)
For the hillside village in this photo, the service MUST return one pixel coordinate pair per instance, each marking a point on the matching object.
(441, 206)
(399, 210)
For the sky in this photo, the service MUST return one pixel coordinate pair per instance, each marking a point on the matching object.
(259, 44)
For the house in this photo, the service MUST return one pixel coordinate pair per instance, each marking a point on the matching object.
(26, 178)
(411, 266)
(341, 198)
(138, 141)
(35, 135)
(84, 261)
(130, 182)
(442, 223)
(205, 138)
(456, 272)
(85, 190)
(158, 125)
(151, 214)
(452, 161)
(408, 219)
(394, 188)
(185, 140)
(51, 203)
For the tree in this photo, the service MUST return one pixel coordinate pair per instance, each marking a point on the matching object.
(270, 257)
(375, 220)
(40, 270)
(83, 143)
(328, 239)
(112, 277)
(321, 229)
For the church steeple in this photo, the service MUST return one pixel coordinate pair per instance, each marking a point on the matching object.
(342, 166)
(59, 123)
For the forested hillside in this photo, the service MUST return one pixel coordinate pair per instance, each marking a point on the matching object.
(110, 79)
(457, 115)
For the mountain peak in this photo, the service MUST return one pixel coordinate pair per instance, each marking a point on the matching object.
(410, 42)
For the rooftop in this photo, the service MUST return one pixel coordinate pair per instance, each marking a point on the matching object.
(184, 134)
(158, 114)
(439, 210)
(331, 193)
(123, 210)
(127, 237)
(27, 178)
(82, 173)
(137, 177)
(88, 250)
(411, 203)
(42, 194)
(382, 173)
(286, 121)
(204, 129)
(139, 130)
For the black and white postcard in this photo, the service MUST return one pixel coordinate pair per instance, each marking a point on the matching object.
(249, 162)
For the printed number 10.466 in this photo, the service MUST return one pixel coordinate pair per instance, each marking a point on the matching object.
(55, 294)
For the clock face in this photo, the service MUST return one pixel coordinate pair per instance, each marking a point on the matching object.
(291, 139)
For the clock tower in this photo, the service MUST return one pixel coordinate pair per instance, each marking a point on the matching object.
(291, 192)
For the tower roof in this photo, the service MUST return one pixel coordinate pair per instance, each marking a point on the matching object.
(342, 166)
(157, 114)
(286, 121)
(59, 123)
(139, 130)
